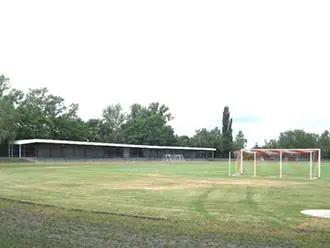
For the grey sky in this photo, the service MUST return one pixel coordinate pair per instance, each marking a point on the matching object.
(268, 60)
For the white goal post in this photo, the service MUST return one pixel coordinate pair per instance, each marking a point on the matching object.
(312, 159)
(174, 157)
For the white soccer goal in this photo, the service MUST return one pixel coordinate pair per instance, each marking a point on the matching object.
(174, 158)
(299, 163)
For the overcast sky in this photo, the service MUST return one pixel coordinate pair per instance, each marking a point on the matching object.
(269, 61)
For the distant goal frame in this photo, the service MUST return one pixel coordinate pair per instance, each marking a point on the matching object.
(240, 154)
(174, 157)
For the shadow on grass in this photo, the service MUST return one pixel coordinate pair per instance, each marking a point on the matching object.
(82, 210)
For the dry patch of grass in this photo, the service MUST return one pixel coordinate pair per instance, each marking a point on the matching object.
(313, 223)
(165, 183)
(154, 181)
(258, 182)
(49, 184)
(59, 166)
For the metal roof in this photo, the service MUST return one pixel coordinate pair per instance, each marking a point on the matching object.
(87, 143)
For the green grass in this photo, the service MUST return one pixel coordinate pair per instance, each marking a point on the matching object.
(199, 201)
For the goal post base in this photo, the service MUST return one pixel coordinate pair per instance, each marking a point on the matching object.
(237, 175)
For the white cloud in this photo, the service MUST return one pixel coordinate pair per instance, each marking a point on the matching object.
(262, 58)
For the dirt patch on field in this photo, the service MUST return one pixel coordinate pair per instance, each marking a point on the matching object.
(60, 166)
(168, 184)
(313, 223)
(257, 182)
(50, 184)
(160, 182)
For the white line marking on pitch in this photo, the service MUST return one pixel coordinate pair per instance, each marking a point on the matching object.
(322, 213)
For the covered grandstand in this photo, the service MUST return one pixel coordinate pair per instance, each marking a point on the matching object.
(55, 149)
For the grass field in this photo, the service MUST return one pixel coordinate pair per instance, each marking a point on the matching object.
(201, 206)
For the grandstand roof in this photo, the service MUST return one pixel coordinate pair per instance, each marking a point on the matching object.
(87, 143)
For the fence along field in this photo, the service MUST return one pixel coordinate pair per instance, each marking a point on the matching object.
(201, 192)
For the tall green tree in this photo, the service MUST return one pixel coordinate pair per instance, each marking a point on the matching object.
(271, 144)
(113, 120)
(208, 138)
(217, 141)
(149, 125)
(324, 144)
(240, 141)
(4, 85)
(46, 116)
(8, 115)
(227, 131)
(203, 138)
(96, 130)
(183, 140)
(297, 139)
(256, 146)
(7, 121)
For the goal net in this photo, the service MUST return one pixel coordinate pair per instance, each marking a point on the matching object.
(282, 163)
(174, 158)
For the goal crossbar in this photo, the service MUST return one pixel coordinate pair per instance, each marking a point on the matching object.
(240, 154)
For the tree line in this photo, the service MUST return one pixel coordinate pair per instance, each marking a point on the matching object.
(40, 114)
(299, 138)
